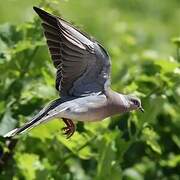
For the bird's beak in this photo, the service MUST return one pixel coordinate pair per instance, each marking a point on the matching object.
(141, 109)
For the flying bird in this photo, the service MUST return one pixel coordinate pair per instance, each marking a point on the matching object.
(82, 79)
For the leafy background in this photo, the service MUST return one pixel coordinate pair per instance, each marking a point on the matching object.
(143, 40)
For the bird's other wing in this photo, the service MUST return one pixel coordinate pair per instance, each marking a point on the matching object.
(83, 65)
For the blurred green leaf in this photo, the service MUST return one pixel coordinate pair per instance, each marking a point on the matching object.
(151, 138)
(28, 163)
(7, 123)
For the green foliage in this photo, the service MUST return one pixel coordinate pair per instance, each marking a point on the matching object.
(145, 62)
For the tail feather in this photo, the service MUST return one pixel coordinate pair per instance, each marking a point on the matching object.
(38, 119)
(11, 133)
(27, 126)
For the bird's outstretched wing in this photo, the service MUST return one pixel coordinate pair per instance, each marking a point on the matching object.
(83, 65)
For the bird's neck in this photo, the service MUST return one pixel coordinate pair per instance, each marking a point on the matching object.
(118, 101)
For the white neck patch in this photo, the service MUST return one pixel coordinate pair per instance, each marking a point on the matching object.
(124, 101)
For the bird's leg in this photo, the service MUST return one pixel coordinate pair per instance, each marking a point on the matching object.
(70, 127)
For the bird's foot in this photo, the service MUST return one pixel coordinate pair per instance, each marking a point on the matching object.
(69, 129)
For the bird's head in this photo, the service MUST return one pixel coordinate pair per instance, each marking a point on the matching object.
(134, 103)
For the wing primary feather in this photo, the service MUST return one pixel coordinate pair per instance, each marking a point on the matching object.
(51, 36)
(50, 19)
(52, 43)
(79, 60)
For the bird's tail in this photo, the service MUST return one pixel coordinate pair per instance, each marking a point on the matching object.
(27, 126)
(41, 117)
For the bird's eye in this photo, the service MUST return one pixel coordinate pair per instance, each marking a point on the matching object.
(136, 102)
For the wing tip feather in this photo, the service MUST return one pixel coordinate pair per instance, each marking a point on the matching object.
(45, 16)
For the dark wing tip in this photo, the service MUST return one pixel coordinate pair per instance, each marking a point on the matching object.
(39, 10)
(45, 16)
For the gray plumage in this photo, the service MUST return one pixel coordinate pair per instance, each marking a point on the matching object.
(82, 79)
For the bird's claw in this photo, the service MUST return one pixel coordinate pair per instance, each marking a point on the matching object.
(69, 129)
